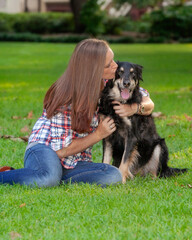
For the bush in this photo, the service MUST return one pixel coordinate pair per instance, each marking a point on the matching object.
(114, 25)
(4, 26)
(40, 23)
(96, 22)
(119, 39)
(20, 37)
(142, 26)
(92, 17)
(159, 39)
(6, 22)
(31, 37)
(173, 22)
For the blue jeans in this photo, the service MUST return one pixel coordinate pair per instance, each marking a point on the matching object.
(43, 168)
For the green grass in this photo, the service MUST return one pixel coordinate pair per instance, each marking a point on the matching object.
(143, 208)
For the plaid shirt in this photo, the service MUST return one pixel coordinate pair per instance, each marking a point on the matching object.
(57, 133)
(144, 92)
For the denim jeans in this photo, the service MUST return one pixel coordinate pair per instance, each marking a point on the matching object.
(43, 168)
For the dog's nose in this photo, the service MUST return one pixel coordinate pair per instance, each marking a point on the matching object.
(126, 84)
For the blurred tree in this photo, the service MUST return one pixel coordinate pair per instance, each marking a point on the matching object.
(39, 5)
(76, 6)
(26, 6)
(93, 17)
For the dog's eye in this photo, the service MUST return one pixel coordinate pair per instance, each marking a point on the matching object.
(133, 76)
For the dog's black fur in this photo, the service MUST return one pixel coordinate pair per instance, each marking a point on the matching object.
(135, 146)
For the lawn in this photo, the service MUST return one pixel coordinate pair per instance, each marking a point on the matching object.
(143, 208)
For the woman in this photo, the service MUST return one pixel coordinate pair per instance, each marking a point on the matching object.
(59, 148)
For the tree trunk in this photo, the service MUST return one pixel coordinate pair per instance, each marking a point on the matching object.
(76, 6)
(39, 5)
(26, 6)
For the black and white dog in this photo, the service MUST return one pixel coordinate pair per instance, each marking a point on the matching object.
(135, 146)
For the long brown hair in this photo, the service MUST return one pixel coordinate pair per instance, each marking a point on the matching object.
(80, 85)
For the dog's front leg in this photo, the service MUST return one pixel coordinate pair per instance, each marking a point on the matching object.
(126, 162)
(107, 151)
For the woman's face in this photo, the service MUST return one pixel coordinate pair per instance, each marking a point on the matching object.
(110, 65)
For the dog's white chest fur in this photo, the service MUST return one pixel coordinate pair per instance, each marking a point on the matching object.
(127, 121)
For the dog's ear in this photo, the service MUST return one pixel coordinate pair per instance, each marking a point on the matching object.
(139, 70)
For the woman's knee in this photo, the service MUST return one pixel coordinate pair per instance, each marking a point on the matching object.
(45, 164)
(50, 179)
(113, 175)
(42, 177)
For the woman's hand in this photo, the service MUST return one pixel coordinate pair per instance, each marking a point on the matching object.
(127, 110)
(124, 110)
(105, 128)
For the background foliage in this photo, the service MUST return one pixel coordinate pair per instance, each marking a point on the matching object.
(163, 25)
(173, 22)
(37, 22)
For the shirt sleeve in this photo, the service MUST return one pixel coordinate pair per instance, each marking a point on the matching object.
(61, 132)
(144, 92)
(94, 123)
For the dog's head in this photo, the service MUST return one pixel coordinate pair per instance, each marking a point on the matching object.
(126, 81)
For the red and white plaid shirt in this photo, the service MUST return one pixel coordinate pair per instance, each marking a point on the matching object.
(57, 133)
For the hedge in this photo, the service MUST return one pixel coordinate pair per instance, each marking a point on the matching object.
(41, 23)
(30, 37)
(49, 23)
(172, 22)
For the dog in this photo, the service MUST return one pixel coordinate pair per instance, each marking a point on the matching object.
(135, 146)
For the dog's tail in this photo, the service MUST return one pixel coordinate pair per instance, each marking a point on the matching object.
(166, 171)
(170, 172)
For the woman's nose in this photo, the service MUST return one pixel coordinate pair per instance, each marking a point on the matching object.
(114, 65)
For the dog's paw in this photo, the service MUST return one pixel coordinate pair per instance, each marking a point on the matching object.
(126, 175)
(124, 179)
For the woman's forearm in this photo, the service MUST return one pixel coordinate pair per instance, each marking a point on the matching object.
(78, 145)
(104, 129)
(147, 105)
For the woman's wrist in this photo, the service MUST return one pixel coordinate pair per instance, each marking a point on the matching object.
(134, 107)
(97, 135)
(145, 107)
(140, 109)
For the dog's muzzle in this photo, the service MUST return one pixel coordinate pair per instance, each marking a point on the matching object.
(124, 92)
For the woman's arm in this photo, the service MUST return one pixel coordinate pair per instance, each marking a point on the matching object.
(105, 128)
(126, 110)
